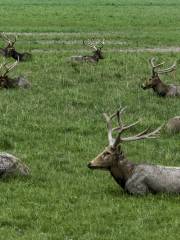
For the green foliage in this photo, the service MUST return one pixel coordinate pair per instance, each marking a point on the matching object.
(57, 126)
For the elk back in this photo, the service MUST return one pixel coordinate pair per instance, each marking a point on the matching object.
(173, 125)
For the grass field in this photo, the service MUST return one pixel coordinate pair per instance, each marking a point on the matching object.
(57, 127)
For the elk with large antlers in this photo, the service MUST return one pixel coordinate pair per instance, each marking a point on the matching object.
(162, 89)
(134, 178)
(6, 81)
(97, 53)
(10, 51)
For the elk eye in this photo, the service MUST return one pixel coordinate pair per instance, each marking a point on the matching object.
(108, 153)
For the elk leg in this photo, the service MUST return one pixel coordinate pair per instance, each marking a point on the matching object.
(136, 185)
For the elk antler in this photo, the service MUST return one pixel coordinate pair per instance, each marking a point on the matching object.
(121, 128)
(5, 38)
(90, 44)
(7, 67)
(101, 44)
(170, 69)
(109, 124)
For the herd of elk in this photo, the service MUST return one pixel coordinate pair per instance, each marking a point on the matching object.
(159, 87)
(10, 51)
(138, 179)
(97, 53)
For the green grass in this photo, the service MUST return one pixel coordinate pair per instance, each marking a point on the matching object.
(57, 127)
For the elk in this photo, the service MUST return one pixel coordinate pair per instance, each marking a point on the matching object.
(10, 165)
(159, 87)
(6, 81)
(10, 51)
(173, 125)
(97, 53)
(137, 179)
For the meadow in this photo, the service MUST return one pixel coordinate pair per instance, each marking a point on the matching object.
(57, 126)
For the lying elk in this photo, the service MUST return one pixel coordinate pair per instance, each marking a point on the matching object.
(162, 89)
(173, 125)
(10, 51)
(6, 81)
(10, 165)
(97, 53)
(134, 178)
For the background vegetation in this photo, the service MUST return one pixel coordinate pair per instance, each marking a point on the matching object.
(57, 126)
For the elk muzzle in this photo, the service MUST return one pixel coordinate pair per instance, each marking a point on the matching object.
(143, 86)
(94, 164)
(103, 161)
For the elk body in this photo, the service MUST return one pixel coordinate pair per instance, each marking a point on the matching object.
(138, 179)
(159, 87)
(10, 165)
(173, 125)
(7, 82)
(10, 51)
(97, 54)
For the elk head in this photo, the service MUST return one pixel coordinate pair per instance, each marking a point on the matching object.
(154, 80)
(97, 48)
(113, 153)
(9, 49)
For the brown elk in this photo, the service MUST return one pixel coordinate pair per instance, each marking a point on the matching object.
(97, 53)
(159, 87)
(6, 81)
(134, 178)
(10, 51)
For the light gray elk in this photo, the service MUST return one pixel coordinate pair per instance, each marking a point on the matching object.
(8, 82)
(10, 165)
(159, 87)
(138, 179)
(97, 53)
(173, 125)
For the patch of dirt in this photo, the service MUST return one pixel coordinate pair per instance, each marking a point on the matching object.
(64, 33)
(129, 50)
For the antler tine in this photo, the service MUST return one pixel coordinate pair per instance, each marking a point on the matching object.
(13, 41)
(119, 114)
(4, 63)
(5, 37)
(170, 69)
(91, 45)
(120, 130)
(101, 44)
(9, 68)
(153, 64)
(123, 128)
(109, 124)
(143, 135)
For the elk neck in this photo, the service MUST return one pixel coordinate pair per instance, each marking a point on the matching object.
(17, 55)
(96, 57)
(160, 88)
(122, 170)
